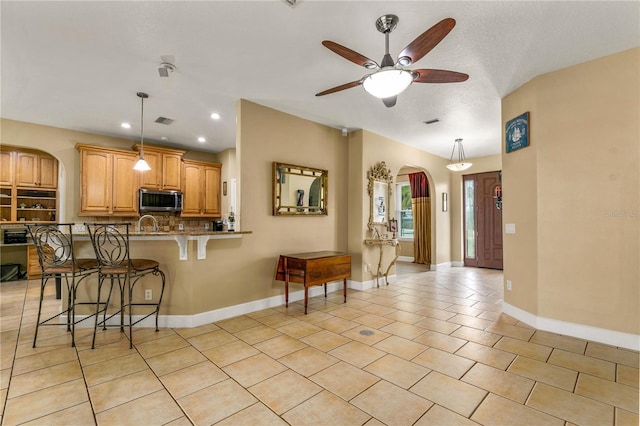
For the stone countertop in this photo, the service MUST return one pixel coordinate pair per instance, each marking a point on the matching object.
(187, 233)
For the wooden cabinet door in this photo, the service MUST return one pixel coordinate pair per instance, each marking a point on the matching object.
(33, 264)
(47, 172)
(27, 169)
(36, 170)
(152, 179)
(96, 169)
(125, 184)
(191, 187)
(211, 190)
(171, 167)
(6, 168)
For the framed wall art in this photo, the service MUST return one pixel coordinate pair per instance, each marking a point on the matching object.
(517, 133)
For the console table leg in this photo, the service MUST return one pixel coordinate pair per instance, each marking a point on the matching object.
(325, 289)
(286, 283)
(306, 298)
(344, 289)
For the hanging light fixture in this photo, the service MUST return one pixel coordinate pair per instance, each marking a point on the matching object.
(461, 164)
(141, 164)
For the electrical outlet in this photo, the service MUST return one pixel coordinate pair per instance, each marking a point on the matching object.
(509, 285)
(181, 227)
(206, 226)
(148, 294)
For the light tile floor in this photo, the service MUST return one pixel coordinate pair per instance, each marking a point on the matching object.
(433, 348)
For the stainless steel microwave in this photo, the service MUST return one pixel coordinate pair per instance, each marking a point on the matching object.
(151, 200)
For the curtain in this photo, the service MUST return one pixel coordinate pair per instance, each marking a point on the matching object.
(421, 206)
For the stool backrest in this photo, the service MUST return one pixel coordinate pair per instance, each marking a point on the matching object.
(110, 242)
(54, 244)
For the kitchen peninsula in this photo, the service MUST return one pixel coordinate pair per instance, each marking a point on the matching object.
(180, 237)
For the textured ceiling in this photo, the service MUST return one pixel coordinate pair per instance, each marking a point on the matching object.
(78, 65)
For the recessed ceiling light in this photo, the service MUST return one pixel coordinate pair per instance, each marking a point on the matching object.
(201, 139)
(164, 138)
(215, 116)
(125, 125)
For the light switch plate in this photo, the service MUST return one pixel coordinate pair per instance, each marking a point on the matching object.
(510, 228)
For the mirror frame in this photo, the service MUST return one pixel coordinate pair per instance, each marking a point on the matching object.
(282, 210)
(379, 173)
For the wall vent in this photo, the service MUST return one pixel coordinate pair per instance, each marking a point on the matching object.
(164, 120)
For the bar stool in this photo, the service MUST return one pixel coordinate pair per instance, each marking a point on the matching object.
(54, 245)
(111, 244)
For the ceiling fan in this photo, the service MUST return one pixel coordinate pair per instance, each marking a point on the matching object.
(390, 78)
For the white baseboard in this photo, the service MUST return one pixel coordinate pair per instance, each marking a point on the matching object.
(189, 321)
(406, 259)
(595, 334)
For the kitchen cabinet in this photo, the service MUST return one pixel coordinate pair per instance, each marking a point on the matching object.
(201, 188)
(28, 186)
(6, 168)
(36, 170)
(108, 182)
(166, 168)
(33, 264)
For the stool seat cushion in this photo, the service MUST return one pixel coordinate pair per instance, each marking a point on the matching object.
(67, 267)
(135, 265)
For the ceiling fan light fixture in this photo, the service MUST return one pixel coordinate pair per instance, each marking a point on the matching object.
(404, 61)
(387, 83)
(461, 164)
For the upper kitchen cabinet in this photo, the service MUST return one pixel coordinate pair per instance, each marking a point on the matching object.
(108, 182)
(28, 185)
(201, 188)
(165, 166)
(36, 170)
(7, 170)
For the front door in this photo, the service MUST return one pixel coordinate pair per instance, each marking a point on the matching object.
(482, 220)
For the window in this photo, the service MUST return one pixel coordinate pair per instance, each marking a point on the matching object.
(404, 214)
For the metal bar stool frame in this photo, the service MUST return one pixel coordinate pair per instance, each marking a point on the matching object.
(111, 245)
(56, 256)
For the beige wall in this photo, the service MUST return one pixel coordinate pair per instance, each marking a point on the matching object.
(368, 149)
(242, 270)
(573, 195)
(268, 135)
(228, 172)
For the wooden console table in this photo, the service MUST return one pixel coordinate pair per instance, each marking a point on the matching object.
(381, 243)
(315, 268)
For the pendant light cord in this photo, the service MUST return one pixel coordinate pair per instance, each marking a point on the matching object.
(142, 129)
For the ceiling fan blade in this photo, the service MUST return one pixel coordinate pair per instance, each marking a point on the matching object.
(341, 87)
(389, 102)
(426, 41)
(350, 55)
(438, 76)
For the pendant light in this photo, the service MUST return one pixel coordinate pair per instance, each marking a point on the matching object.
(461, 164)
(142, 165)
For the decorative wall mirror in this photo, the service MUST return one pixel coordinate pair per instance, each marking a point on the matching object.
(299, 190)
(379, 188)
